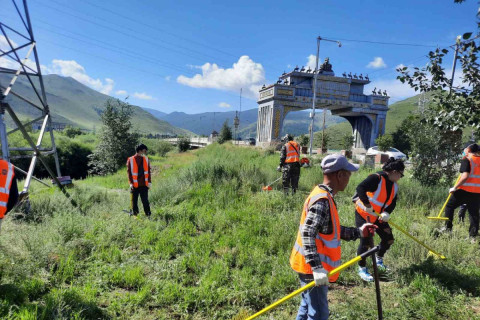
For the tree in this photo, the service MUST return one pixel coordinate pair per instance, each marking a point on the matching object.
(225, 133)
(71, 132)
(183, 144)
(317, 139)
(303, 140)
(401, 140)
(459, 107)
(347, 142)
(117, 143)
(384, 142)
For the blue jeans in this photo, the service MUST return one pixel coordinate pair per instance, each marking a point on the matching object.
(314, 304)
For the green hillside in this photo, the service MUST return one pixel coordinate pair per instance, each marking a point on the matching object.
(397, 112)
(217, 247)
(76, 104)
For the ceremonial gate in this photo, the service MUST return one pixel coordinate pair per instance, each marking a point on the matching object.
(343, 96)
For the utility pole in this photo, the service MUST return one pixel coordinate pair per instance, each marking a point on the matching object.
(454, 62)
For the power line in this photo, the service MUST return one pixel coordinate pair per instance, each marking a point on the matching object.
(388, 43)
(158, 29)
(135, 35)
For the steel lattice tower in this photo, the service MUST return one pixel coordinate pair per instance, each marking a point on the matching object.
(19, 58)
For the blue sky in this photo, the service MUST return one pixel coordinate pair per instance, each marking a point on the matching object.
(194, 56)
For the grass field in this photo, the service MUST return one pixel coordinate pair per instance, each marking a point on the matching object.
(217, 247)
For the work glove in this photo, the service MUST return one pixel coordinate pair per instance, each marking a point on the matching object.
(279, 168)
(384, 216)
(367, 230)
(452, 190)
(320, 276)
(149, 185)
(131, 187)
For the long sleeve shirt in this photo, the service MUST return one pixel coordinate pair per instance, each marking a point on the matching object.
(141, 176)
(318, 220)
(370, 184)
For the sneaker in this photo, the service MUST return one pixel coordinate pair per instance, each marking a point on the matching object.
(363, 273)
(380, 264)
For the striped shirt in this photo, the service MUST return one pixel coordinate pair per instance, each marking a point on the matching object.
(318, 220)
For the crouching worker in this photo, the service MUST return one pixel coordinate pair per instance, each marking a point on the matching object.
(8, 188)
(317, 248)
(377, 195)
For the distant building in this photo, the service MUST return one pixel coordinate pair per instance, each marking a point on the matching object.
(36, 126)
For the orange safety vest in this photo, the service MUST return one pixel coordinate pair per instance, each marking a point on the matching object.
(6, 178)
(378, 200)
(328, 245)
(292, 152)
(473, 182)
(134, 170)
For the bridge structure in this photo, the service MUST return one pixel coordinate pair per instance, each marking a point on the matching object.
(200, 142)
(343, 96)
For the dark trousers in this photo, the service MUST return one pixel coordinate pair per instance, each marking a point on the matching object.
(384, 231)
(472, 200)
(143, 193)
(290, 176)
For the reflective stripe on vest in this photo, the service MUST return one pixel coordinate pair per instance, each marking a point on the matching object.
(292, 152)
(6, 178)
(378, 200)
(324, 258)
(472, 184)
(134, 170)
(328, 246)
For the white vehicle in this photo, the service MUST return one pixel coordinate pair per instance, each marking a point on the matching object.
(392, 152)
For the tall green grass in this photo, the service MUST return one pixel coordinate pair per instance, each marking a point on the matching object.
(217, 247)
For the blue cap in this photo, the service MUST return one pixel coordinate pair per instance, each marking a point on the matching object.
(336, 162)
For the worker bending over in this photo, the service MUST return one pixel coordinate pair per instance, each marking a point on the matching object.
(467, 190)
(377, 195)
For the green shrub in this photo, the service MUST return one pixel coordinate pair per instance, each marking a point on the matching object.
(183, 144)
(161, 148)
(384, 142)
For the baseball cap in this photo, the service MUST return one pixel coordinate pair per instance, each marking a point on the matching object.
(336, 162)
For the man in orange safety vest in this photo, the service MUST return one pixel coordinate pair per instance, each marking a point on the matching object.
(317, 247)
(466, 190)
(8, 188)
(290, 164)
(140, 178)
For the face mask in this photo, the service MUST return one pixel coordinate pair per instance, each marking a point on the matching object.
(464, 154)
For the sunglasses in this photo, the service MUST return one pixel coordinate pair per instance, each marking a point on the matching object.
(401, 173)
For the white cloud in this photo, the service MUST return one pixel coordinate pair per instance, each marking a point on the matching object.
(311, 62)
(9, 63)
(121, 93)
(143, 96)
(245, 74)
(224, 105)
(395, 89)
(4, 43)
(168, 78)
(71, 68)
(377, 63)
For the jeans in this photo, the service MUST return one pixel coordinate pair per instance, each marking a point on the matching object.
(314, 304)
